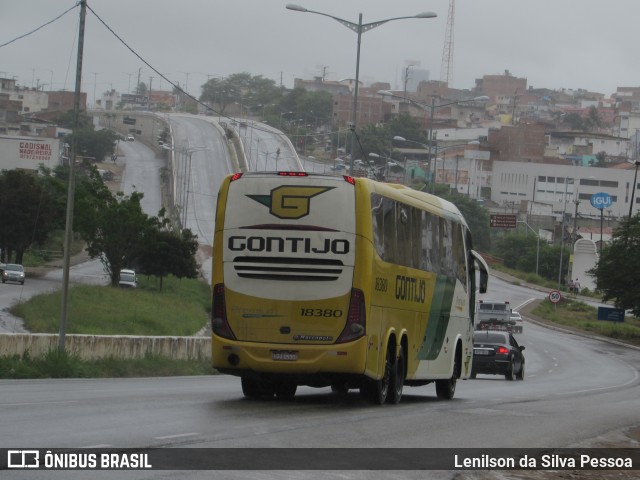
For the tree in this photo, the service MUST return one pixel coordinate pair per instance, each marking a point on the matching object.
(243, 88)
(617, 272)
(575, 122)
(93, 144)
(593, 121)
(28, 212)
(169, 252)
(114, 226)
(408, 127)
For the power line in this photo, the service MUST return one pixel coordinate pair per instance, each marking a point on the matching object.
(41, 26)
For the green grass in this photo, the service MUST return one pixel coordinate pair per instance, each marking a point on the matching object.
(179, 309)
(580, 316)
(65, 365)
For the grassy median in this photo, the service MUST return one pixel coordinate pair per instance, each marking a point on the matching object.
(576, 315)
(180, 308)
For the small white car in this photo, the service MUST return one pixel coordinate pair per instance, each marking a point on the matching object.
(128, 279)
(130, 138)
(12, 272)
(516, 317)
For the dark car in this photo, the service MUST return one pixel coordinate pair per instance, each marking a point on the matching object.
(497, 353)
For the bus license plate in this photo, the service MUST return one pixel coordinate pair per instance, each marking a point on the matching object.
(284, 355)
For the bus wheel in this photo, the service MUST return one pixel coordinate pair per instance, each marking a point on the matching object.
(286, 391)
(251, 388)
(379, 389)
(397, 378)
(255, 389)
(445, 389)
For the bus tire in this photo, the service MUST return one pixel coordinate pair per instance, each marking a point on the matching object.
(446, 389)
(256, 389)
(397, 378)
(251, 388)
(379, 389)
(286, 391)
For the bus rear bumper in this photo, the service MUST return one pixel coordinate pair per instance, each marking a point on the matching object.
(243, 358)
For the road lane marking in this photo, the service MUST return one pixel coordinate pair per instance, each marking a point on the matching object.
(179, 435)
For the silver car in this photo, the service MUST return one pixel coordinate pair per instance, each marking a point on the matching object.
(517, 318)
(12, 272)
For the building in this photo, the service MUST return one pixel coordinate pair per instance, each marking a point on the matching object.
(496, 85)
(28, 153)
(31, 100)
(566, 188)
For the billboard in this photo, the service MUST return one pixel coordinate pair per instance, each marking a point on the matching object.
(28, 153)
(502, 221)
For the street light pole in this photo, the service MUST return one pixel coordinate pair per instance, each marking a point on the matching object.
(359, 28)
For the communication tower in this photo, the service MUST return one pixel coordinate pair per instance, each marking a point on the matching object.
(446, 68)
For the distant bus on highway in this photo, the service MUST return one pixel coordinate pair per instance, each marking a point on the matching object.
(345, 282)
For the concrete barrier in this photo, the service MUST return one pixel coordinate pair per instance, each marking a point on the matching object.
(92, 347)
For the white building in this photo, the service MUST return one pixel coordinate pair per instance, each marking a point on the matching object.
(562, 185)
(32, 100)
(28, 153)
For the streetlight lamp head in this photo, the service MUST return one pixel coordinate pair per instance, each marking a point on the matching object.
(482, 98)
(297, 8)
(427, 15)
(385, 93)
(398, 138)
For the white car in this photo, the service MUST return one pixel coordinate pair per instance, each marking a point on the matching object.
(130, 138)
(12, 272)
(128, 279)
(516, 317)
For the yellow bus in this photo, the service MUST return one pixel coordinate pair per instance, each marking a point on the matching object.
(344, 282)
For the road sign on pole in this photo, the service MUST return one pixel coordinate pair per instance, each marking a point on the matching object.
(503, 221)
(555, 296)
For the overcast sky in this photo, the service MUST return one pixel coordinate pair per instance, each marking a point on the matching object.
(588, 44)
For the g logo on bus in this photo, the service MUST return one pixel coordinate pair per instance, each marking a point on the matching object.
(291, 202)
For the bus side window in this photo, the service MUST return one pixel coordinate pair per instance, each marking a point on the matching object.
(389, 239)
(377, 221)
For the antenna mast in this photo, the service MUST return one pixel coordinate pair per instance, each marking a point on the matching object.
(446, 69)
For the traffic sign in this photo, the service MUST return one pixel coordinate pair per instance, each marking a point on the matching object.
(555, 296)
(502, 221)
(601, 200)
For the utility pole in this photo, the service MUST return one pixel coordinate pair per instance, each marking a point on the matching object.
(68, 232)
(574, 235)
(406, 80)
(149, 94)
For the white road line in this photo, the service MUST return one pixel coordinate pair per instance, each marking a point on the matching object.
(179, 435)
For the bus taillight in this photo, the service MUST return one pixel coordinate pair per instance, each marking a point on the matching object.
(356, 318)
(219, 323)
